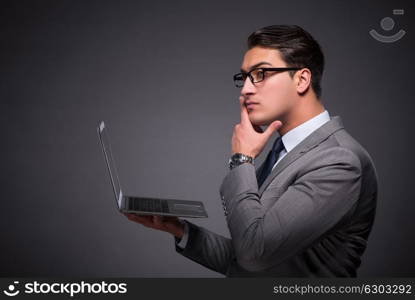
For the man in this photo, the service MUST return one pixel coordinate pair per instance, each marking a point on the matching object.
(309, 209)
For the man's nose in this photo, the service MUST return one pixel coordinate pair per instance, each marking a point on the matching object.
(248, 87)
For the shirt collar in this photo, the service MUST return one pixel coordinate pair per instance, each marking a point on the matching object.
(293, 137)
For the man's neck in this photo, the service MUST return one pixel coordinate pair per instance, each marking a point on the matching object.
(299, 116)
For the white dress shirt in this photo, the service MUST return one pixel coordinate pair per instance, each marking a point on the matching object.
(291, 139)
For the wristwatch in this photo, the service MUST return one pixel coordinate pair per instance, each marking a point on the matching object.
(239, 159)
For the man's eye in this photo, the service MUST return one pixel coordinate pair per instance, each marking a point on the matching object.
(257, 74)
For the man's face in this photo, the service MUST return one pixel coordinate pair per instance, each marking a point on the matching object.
(275, 95)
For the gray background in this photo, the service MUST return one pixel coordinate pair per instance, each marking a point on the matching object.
(160, 74)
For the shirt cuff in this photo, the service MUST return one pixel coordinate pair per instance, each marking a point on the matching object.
(183, 242)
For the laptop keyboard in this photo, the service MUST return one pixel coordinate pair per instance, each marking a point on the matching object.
(150, 205)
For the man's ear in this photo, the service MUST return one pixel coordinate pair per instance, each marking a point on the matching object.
(303, 80)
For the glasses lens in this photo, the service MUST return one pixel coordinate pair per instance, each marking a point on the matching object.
(239, 80)
(257, 75)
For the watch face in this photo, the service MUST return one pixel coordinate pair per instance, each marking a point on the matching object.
(238, 159)
(237, 156)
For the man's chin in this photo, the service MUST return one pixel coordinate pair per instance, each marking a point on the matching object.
(259, 122)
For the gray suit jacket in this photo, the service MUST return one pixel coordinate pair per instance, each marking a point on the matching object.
(311, 217)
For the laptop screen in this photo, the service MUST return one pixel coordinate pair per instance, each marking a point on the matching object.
(106, 148)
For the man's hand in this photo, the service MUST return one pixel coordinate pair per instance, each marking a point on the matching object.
(168, 224)
(249, 139)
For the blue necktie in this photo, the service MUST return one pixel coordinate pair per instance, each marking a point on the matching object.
(270, 161)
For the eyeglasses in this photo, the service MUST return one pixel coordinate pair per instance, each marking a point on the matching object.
(257, 75)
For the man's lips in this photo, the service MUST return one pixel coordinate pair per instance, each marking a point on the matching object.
(250, 104)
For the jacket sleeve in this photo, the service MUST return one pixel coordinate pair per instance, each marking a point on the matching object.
(321, 195)
(207, 248)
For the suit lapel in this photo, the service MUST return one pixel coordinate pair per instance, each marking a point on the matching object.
(311, 141)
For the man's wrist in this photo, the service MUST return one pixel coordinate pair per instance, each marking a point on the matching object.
(182, 243)
(247, 153)
(239, 159)
(179, 232)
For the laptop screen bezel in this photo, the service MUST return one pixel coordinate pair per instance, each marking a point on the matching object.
(101, 131)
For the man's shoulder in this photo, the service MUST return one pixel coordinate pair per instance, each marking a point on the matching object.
(341, 147)
(345, 140)
(331, 152)
(337, 146)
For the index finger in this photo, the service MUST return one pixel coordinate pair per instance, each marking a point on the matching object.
(244, 113)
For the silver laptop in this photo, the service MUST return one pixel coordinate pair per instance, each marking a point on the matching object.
(141, 205)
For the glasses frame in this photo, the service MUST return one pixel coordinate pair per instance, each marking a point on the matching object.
(264, 70)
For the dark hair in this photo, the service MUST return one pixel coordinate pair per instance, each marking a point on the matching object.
(297, 47)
